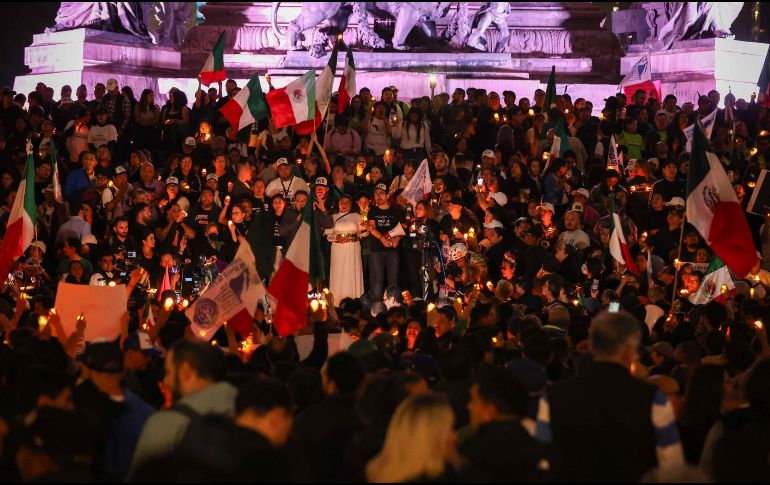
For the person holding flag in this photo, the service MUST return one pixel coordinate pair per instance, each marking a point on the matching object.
(20, 230)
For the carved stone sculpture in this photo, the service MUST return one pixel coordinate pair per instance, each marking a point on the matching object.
(122, 17)
(492, 13)
(172, 20)
(406, 14)
(691, 20)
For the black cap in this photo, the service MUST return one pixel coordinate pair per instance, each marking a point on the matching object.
(103, 357)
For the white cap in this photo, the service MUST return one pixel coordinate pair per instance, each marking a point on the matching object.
(488, 153)
(212, 176)
(382, 187)
(281, 161)
(547, 206)
(582, 191)
(500, 198)
(189, 141)
(321, 182)
(120, 169)
(172, 180)
(494, 224)
(676, 201)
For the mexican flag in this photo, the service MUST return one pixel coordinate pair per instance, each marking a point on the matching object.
(247, 106)
(716, 284)
(20, 230)
(323, 93)
(714, 209)
(302, 267)
(618, 247)
(214, 68)
(347, 88)
(294, 103)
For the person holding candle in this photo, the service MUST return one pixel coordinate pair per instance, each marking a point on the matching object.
(346, 272)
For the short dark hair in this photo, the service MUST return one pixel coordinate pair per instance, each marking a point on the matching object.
(206, 361)
(75, 208)
(503, 390)
(262, 396)
(74, 243)
(346, 371)
(393, 291)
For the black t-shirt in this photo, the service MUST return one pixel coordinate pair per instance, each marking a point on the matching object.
(384, 221)
(199, 218)
(463, 225)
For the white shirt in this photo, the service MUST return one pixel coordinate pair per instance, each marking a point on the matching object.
(101, 135)
(377, 138)
(288, 188)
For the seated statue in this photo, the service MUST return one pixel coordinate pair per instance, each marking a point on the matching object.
(122, 17)
(692, 20)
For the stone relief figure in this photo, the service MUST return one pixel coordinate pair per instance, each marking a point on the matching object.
(691, 20)
(172, 20)
(407, 15)
(492, 13)
(122, 17)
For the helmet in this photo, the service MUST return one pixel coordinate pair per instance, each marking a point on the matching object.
(457, 252)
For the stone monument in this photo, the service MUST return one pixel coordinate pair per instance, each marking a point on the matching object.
(691, 47)
(492, 45)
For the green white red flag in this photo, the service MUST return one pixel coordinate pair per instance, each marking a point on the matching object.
(618, 247)
(716, 284)
(714, 209)
(214, 69)
(347, 87)
(20, 230)
(295, 103)
(301, 268)
(247, 106)
(323, 94)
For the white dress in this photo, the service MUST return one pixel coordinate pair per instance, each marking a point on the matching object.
(346, 277)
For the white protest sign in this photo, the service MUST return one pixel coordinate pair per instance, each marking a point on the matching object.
(102, 308)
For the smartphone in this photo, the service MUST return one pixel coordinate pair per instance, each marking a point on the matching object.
(131, 254)
(480, 182)
(595, 285)
(614, 306)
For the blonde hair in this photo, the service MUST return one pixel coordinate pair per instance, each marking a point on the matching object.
(419, 428)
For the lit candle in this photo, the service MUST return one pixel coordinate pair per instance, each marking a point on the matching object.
(497, 118)
(751, 184)
(753, 152)
(758, 324)
(42, 321)
(314, 305)
(576, 302)
(431, 307)
(185, 303)
(724, 289)
(751, 293)
(168, 303)
(601, 116)
(546, 155)
(531, 112)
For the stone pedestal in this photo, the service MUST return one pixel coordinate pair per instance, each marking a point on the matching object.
(85, 56)
(698, 66)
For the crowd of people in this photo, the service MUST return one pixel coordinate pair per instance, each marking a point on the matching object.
(494, 336)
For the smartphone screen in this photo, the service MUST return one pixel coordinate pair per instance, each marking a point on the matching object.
(614, 306)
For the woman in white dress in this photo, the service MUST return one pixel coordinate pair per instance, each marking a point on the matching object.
(346, 273)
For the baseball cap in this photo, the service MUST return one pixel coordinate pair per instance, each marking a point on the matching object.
(112, 84)
(547, 206)
(120, 169)
(661, 112)
(663, 348)
(281, 161)
(89, 239)
(488, 153)
(172, 180)
(189, 141)
(212, 176)
(676, 201)
(577, 206)
(141, 342)
(494, 224)
(520, 220)
(382, 187)
(321, 182)
(103, 357)
(581, 191)
(499, 198)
